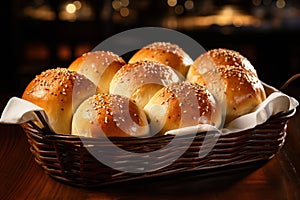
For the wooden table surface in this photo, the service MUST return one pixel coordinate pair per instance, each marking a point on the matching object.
(278, 178)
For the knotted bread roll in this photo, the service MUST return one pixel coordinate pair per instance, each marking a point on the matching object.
(99, 67)
(59, 92)
(231, 78)
(141, 80)
(166, 53)
(180, 105)
(109, 115)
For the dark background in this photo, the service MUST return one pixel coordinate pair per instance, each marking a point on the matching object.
(33, 41)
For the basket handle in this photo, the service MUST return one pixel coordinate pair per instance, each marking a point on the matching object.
(289, 81)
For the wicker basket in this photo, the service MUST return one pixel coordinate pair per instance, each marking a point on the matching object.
(68, 159)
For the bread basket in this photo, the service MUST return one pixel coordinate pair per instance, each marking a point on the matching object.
(67, 158)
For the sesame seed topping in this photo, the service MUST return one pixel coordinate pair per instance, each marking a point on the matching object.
(145, 72)
(184, 94)
(167, 47)
(58, 81)
(114, 109)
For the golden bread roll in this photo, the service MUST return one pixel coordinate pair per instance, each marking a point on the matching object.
(99, 67)
(59, 91)
(165, 53)
(180, 105)
(139, 81)
(231, 78)
(109, 115)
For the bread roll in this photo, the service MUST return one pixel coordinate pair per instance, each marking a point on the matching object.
(109, 115)
(139, 81)
(231, 78)
(59, 91)
(99, 67)
(165, 53)
(180, 105)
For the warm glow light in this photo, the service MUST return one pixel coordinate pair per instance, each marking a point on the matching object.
(172, 3)
(227, 11)
(44, 12)
(228, 15)
(116, 4)
(256, 2)
(82, 48)
(171, 22)
(124, 12)
(238, 22)
(64, 52)
(76, 10)
(280, 3)
(189, 4)
(70, 8)
(36, 51)
(77, 4)
(179, 9)
(124, 3)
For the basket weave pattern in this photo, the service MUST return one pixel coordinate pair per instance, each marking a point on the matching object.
(67, 158)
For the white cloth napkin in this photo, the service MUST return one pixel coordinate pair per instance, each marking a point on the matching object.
(18, 111)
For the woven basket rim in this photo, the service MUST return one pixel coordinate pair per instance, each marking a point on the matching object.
(46, 133)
